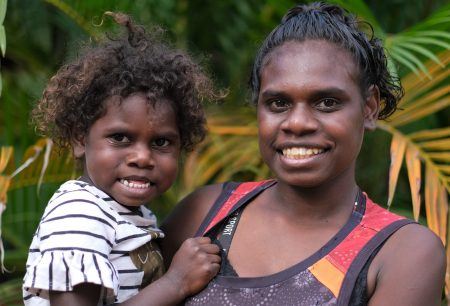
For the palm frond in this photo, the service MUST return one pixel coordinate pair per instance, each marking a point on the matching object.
(412, 46)
(431, 147)
(424, 97)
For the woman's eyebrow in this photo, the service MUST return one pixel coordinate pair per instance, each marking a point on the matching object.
(311, 94)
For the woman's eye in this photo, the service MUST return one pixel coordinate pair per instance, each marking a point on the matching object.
(161, 142)
(278, 105)
(119, 138)
(328, 104)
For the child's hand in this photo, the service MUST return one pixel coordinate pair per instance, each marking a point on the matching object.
(194, 265)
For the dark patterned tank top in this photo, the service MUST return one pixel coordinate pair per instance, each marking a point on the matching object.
(325, 278)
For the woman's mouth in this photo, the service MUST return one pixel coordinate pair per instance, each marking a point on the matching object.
(301, 152)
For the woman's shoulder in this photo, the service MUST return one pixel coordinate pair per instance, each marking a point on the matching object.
(413, 256)
(191, 210)
(415, 241)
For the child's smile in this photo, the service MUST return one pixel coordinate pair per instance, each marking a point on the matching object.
(132, 152)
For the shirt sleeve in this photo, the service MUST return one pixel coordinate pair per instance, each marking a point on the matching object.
(72, 246)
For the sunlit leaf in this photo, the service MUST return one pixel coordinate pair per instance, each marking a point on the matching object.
(430, 134)
(414, 176)
(48, 150)
(5, 157)
(398, 146)
(440, 145)
(431, 202)
(444, 168)
(422, 112)
(443, 157)
(431, 97)
(415, 86)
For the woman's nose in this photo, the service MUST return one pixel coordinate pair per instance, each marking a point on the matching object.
(140, 156)
(300, 120)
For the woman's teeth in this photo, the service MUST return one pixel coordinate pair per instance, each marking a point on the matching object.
(299, 153)
(134, 184)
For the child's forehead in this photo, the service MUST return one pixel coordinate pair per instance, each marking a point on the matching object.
(139, 105)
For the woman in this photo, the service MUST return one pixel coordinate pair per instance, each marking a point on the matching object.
(310, 236)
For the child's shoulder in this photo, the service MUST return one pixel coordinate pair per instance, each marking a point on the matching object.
(74, 197)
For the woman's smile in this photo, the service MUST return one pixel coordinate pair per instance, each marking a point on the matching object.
(310, 113)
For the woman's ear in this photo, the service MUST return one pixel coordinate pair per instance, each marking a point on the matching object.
(78, 147)
(372, 108)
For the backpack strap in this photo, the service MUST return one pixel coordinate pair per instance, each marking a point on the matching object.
(233, 196)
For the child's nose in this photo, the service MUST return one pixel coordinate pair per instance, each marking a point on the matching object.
(140, 156)
(300, 120)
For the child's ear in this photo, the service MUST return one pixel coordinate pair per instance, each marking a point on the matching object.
(78, 146)
(372, 108)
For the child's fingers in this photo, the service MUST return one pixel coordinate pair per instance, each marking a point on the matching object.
(214, 259)
(202, 240)
(210, 248)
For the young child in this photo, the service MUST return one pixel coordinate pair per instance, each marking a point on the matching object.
(127, 108)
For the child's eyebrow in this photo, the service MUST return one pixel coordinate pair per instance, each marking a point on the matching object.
(168, 134)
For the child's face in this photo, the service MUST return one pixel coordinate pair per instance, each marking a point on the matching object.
(132, 152)
(311, 113)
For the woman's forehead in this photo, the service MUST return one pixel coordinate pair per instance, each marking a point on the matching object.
(310, 61)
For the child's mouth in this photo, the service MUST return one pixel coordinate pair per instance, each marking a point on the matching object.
(139, 184)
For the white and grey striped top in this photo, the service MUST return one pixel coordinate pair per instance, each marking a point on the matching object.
(86, 236)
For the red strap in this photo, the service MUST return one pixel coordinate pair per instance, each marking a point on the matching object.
(241, 191)
(374, 220)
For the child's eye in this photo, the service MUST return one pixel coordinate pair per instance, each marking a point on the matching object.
(328, 104)
(119, 138)
(161, 142)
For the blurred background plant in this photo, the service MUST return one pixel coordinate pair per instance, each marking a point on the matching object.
(42, 34)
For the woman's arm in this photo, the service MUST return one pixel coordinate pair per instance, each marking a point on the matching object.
(185, 219)
(409, 270)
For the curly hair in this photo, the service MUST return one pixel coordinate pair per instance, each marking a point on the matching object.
(135, 61)
(332, 23)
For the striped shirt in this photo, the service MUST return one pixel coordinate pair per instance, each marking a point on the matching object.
(85, 236)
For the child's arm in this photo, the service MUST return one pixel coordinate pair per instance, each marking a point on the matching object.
(193, 266)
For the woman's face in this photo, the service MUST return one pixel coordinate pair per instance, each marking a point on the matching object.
(311, 113)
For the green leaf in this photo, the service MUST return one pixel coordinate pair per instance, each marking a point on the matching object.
(408, 59)
(425, 40)
(431, 33)
(423, 51)
(2, 40)
(3, 6)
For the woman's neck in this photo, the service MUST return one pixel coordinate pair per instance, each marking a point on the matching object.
(327, 201)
